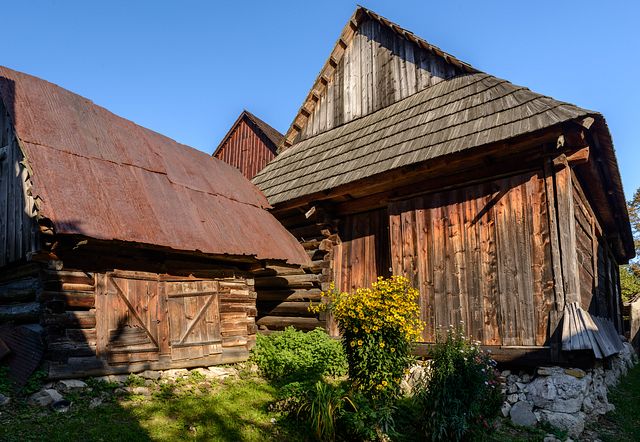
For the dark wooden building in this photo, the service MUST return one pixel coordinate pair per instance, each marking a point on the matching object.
(120, 249)
(249, 145)
(504, 207)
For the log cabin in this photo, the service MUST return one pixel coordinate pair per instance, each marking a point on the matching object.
(249, 145)
(504, 207)
(121, 250)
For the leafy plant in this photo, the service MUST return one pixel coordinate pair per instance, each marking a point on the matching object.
(322, 407)
(460, 392)
(5, 383)
(34, 383)
(295, 355)
(379, 326)
(133, 380)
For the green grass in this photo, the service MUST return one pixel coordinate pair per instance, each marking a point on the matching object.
(624, 423)
(228, 411)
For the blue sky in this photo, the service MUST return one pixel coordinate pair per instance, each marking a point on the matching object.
(188, 68)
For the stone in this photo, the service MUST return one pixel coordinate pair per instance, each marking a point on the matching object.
(505, 409)
(521, 414)
(522, 397)
(69, 385)
(150, 374)
(548, 371)
(175, 373)
(512, 379)
(513, 388)
(44, 398)
(512, 398)
(521, 386)
(61, 406)
(505, 373)
(4, 400)
(143, 391)
(222, 372)
(561, 392)
(575, 372)
(149, 383)
(119, 379)
(551, 438)
(526, 378)
(95, 402)
(572, 423)
(121, 391)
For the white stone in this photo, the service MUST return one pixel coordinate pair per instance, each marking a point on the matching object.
(44, 398)
(143, 391)
(506, 407)
(150, 374)
(174, 373)
(512, 398)
(505, 373)
(521, 414)
(513, 388)
(68, 385)
(4, 400)
(561, 392)
(95, 402)
(572, 423)
(526, 378)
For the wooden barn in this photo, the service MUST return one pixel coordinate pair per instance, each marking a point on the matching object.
(120, 249)
(249, 145)
(504, 207)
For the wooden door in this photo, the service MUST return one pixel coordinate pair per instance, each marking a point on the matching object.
(127, 319)
(194, 319)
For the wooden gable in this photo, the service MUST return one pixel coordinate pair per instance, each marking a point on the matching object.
(374, 63)
(249, 145)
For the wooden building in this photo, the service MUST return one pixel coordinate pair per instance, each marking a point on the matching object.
(249, 145)
(120, 249)
(504, 207)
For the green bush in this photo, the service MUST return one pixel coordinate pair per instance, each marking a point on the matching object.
(461, 392)
(295, 355)
(6, 386)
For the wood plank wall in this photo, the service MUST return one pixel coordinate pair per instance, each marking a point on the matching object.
(363, 252)
(598, 269)
(247, 149)
(17, 208)
(481, 255)
(377, 69)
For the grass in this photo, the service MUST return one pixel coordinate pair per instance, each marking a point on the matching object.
(624, 423)
(227, 411)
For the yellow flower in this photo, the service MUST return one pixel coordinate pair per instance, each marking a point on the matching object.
(359, 341)
(381, 344)
(393, 350)
(353, 344)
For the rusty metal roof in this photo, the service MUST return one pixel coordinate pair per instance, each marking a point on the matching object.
(99, 175)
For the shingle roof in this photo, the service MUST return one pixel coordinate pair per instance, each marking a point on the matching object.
(464, 112)
(98, 175)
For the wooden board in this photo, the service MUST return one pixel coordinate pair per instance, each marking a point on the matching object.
(480, 256)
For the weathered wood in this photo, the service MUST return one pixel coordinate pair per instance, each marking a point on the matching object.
(291, 295)
(20, 313)
(291, 281)
(281, 322)
(72, 299)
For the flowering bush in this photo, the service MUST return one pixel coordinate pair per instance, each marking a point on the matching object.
(379, 326)
(461, 392)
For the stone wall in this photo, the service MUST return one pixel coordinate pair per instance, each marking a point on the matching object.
(565, 398)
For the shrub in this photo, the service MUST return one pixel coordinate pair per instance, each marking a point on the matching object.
(460, 392)
(379, 326)
(292, 354)
(322, 406)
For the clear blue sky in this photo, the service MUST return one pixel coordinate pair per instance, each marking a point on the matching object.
(187, 68)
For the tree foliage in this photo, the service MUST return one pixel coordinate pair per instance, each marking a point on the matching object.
(630, 274)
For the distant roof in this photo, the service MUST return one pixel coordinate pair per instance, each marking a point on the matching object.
(464, 112)
(272, 134)
(98, 175)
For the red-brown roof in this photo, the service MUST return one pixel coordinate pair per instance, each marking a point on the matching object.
(101, 176)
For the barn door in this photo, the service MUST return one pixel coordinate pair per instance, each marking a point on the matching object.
(127, 323)
(194, 319)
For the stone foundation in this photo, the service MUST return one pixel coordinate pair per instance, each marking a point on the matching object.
(565, 398)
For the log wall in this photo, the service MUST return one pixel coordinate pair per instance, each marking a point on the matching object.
(17, 208)
(125, 321)
(377, 69)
